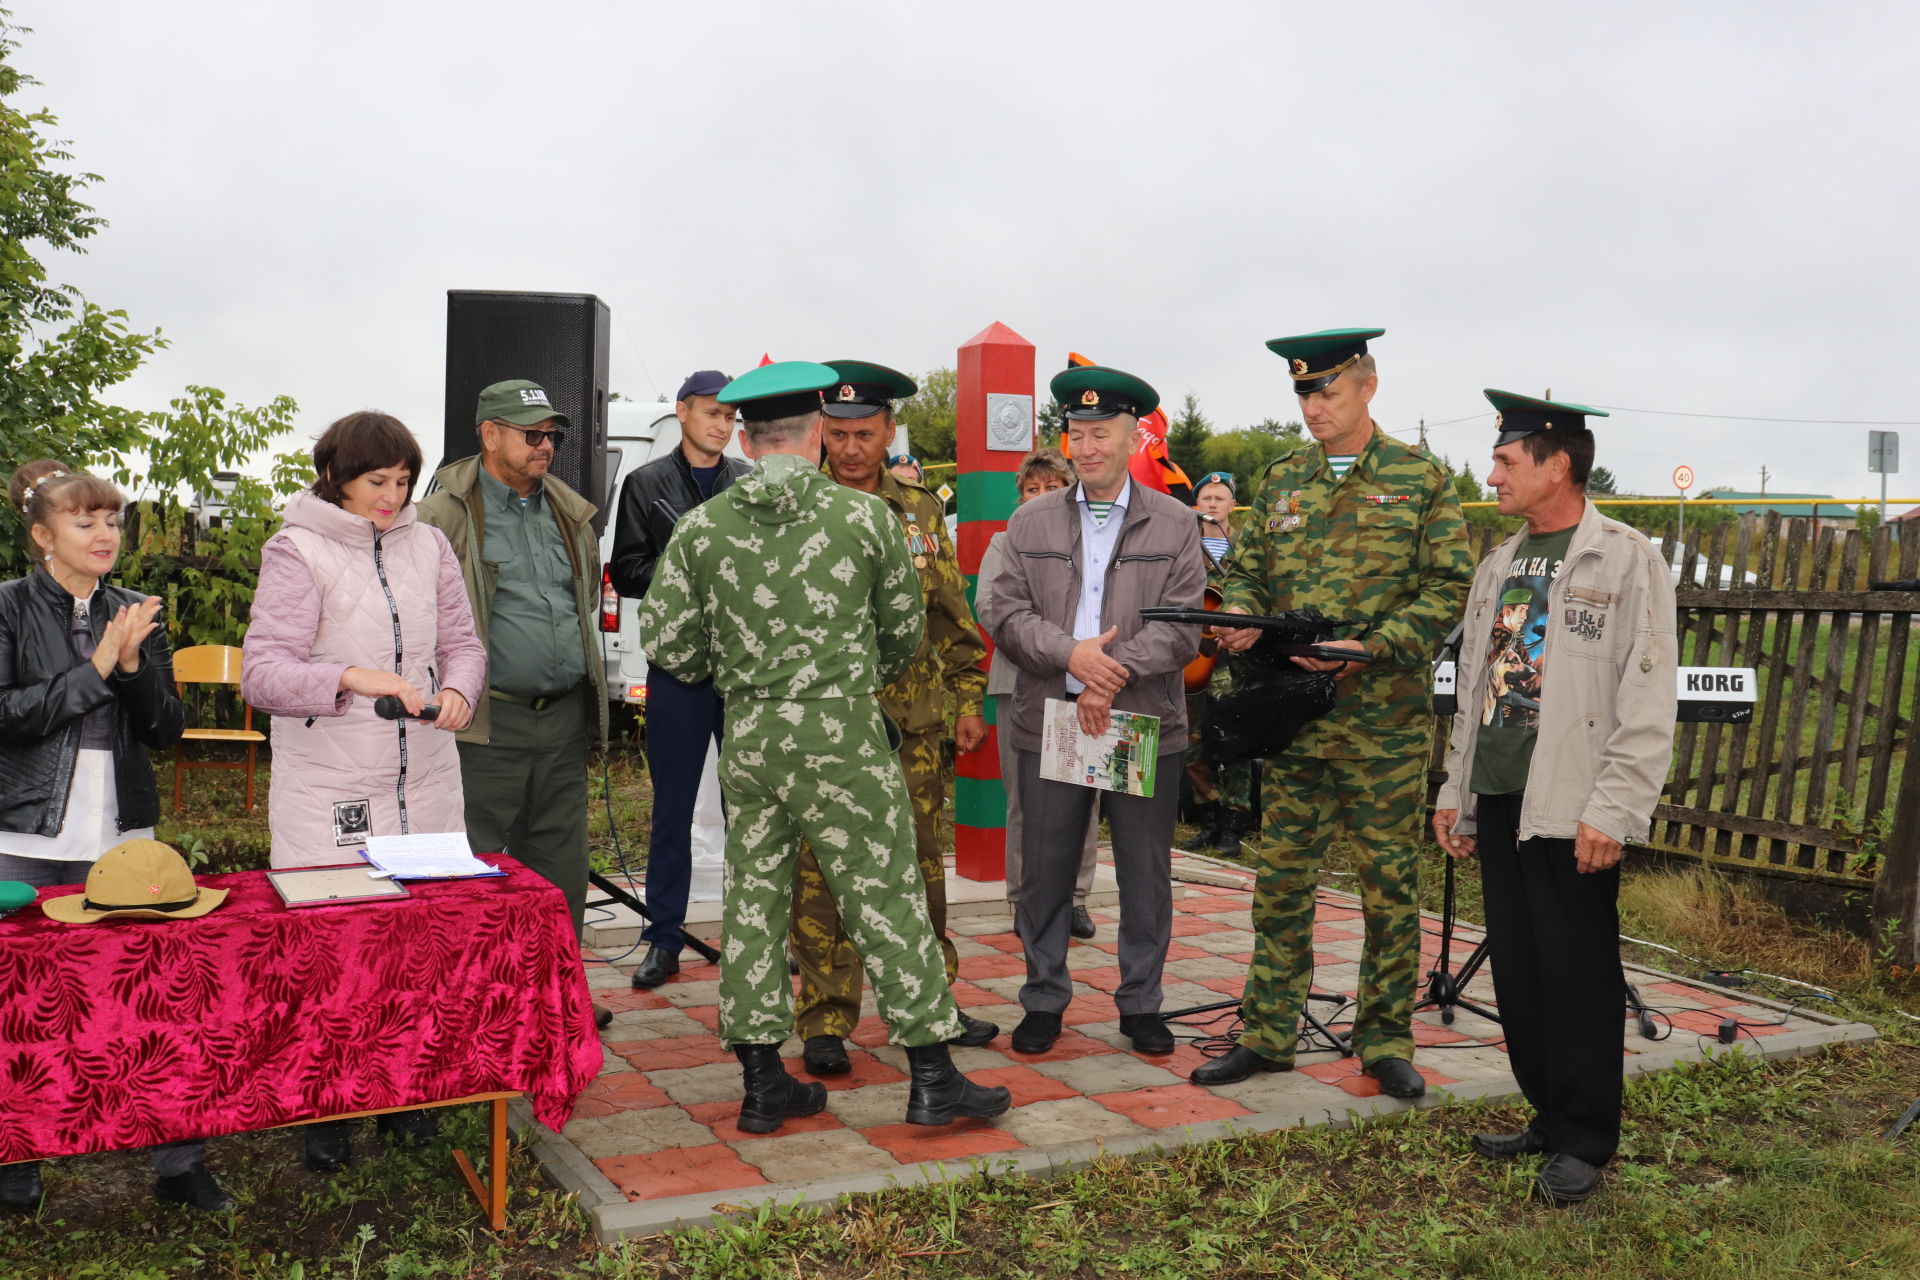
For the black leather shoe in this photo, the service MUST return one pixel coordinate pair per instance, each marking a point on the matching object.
(978, 1031)
(1236, 1064)
(1036, 1032)
(329, 1146)
(656, 967)
(1082, 926)
(408, 1128)
(941, 1095)
(602, 1017)
(20, 1186)
(195, 1187)
(1565, 1179)
(1505, 1146)
(1397, 1078)
(825, 1056)
(771, 1094)
(1148, 1033)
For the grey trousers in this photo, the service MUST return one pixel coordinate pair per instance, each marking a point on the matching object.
(1053, 817)
(527, 791)
(1010, 783)
(169, 1158)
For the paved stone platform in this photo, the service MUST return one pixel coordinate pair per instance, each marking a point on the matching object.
(652, 1143)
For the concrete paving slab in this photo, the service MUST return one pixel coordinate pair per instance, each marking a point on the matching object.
(653, 1142)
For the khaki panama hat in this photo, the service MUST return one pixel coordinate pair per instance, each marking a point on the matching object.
(136, 880)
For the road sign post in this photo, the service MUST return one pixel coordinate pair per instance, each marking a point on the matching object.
(1683, 481)
(1883, 455)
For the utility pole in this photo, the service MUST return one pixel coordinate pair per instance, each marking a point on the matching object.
(1423, 435)
(1763, 479)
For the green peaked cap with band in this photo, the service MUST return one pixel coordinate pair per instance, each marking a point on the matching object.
(783, 390)
(1316, 359)
(1520, 416)
(1093, 391)
(865, 389)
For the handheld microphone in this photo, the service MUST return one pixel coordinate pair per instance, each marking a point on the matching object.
(1209, 519)
(389, 707)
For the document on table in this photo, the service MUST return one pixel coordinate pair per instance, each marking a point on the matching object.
(437, 855)
(1123, 758)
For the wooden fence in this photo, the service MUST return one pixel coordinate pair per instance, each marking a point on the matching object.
(1808, 786)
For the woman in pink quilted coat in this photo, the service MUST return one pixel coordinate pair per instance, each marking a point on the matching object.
(358, 600)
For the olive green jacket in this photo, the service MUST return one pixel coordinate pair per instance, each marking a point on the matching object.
(949, 658)
(455, 508)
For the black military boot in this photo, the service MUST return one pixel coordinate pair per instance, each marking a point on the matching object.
(940, 1094)
(1235, 826)
(1206, 820)
(771, 1094)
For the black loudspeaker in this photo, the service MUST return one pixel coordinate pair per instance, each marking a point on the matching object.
(559, 340)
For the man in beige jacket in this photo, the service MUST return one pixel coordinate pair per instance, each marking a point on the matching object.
(1553, 770)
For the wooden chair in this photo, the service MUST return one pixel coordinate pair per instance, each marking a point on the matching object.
(212, 664)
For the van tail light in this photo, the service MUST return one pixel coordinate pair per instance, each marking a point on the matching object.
(609, 602)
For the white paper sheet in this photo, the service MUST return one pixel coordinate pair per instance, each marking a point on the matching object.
(431, 855)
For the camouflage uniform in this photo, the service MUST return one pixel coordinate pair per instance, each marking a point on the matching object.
(948, 659)
(1231, 787)
(796, 596)
(1384, 547)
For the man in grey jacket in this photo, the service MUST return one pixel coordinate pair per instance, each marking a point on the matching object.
(1080, 565)
(1568, 643)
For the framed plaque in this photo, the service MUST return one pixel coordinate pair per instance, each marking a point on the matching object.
(325, 886)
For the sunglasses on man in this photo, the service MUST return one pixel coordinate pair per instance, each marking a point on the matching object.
(534, 438)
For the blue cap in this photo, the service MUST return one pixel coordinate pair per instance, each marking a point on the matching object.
(707, 382)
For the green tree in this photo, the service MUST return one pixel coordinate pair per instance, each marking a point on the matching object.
(1275, 427)
(1050, 425)
(1600, 481)
(59, 352)
(1186, 435)
(928, 415)
(1866, 518)
(1243, 454)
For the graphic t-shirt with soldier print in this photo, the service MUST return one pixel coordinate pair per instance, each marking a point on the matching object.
(1509, 702)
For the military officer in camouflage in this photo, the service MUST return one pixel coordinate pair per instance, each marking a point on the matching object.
(856, 433)
(1367, 530)
(797, 597)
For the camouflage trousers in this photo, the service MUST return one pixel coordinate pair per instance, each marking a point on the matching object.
(829, 999)
(1378, 804)
(1231, 787)
(819, 772)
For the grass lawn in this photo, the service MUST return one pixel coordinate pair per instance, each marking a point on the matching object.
(1734, 1169)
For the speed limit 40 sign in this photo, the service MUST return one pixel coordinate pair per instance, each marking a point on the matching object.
(1683, 477)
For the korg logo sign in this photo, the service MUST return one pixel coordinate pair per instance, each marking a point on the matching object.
(1716, 695)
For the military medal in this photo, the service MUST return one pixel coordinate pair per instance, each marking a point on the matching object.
(919, 543)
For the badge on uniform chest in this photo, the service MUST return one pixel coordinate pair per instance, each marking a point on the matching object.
(1283, 512)
(921, 544)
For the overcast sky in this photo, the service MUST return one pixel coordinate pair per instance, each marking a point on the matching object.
(1706, 208)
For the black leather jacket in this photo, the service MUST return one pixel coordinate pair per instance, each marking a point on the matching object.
(652, 499)
(45, 694)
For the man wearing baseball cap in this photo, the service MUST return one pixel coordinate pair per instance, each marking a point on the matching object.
(531, 564)
(682, 718)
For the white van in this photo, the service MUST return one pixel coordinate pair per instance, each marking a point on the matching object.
(637, 433)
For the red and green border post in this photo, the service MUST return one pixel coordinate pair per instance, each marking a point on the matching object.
(993, 426)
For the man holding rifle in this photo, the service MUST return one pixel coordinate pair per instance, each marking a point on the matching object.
(1367, 530)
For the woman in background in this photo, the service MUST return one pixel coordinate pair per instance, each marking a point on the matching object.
(1041, 471)
(86, 690)
(359, 601)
